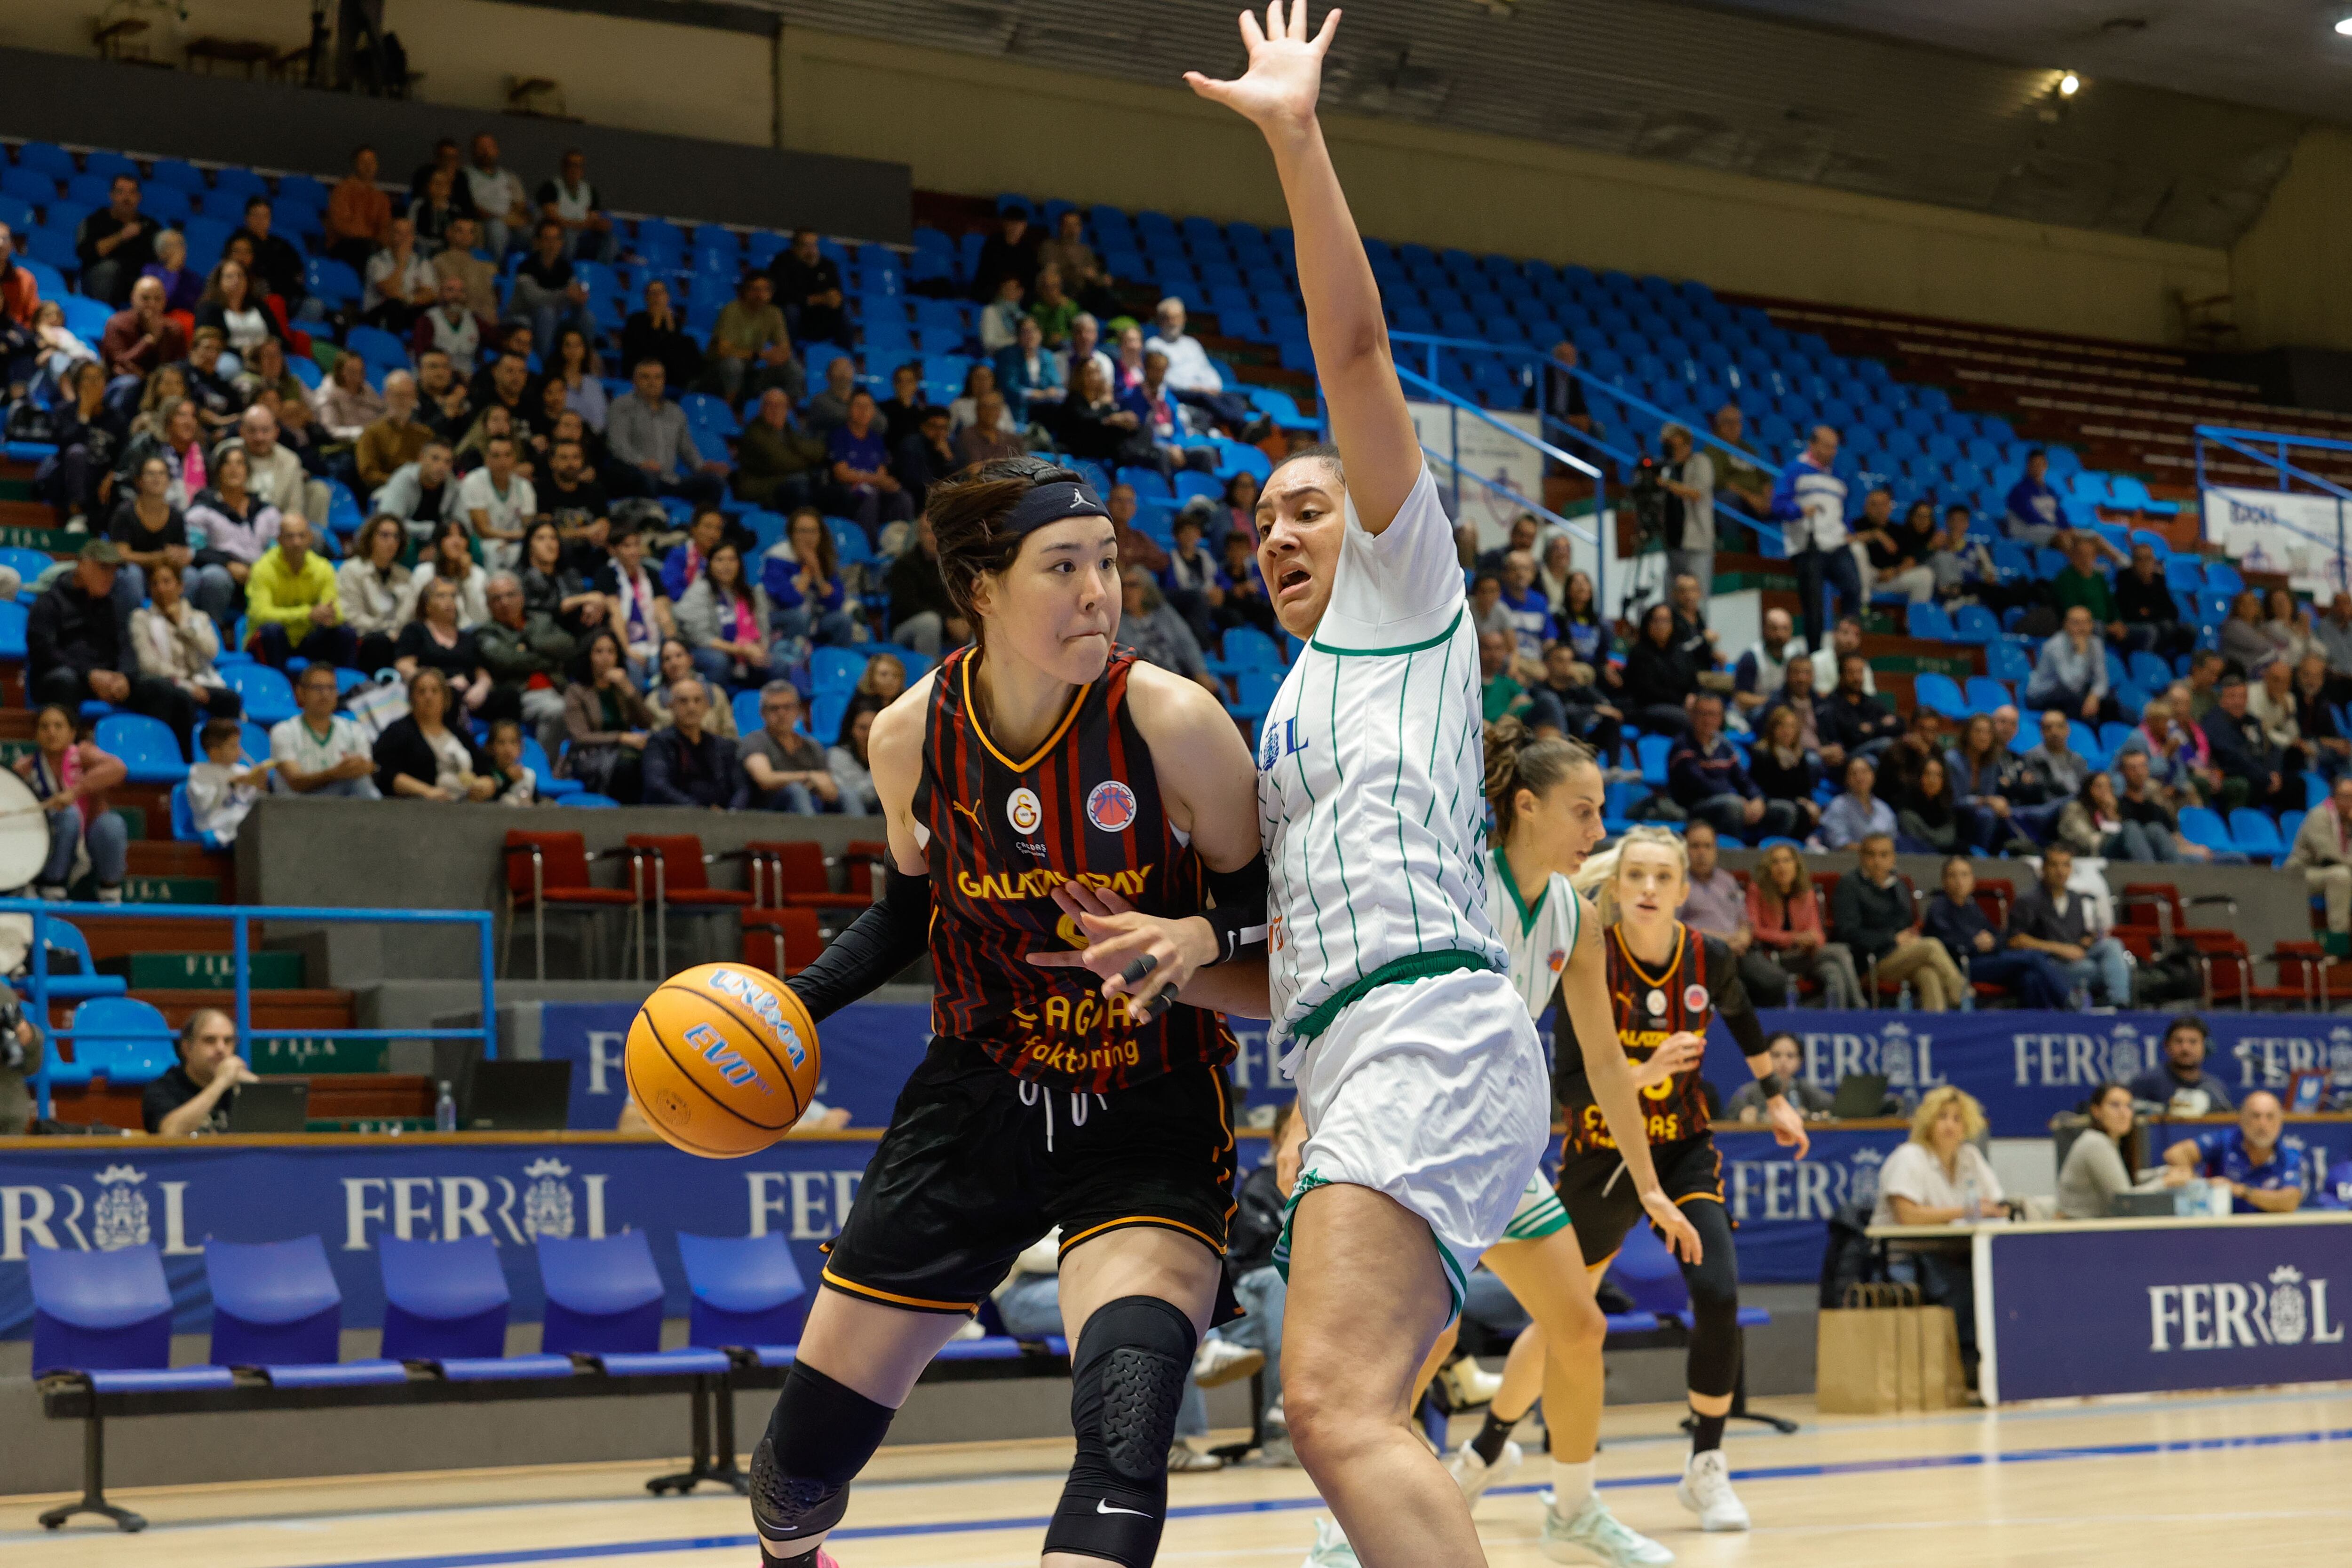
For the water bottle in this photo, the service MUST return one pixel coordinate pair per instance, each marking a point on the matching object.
(1971, 1200)
(1903, 999)
(444, 1111)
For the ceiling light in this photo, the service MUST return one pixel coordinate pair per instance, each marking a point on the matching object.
(2344, 26)
(2068, 85)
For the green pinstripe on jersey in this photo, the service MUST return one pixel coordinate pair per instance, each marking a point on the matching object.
(1405, 865)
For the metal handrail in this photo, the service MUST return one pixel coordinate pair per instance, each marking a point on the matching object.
(240, 917)
(2241, 442)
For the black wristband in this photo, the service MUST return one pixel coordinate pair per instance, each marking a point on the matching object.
(1238, 918)
(1773, 1085)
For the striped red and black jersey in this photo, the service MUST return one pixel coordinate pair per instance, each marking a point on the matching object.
(1002, 834)
(1698, 981)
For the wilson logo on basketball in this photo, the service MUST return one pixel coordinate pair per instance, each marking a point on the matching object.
(1110, 806)
(753, 995)
(713, 1048)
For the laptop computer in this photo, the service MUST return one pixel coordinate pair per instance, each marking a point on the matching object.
(517, 1097)
(272, 1105)
(1860, 1094)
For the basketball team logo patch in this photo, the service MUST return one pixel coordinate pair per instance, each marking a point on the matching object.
(1693, 999)
(1110, 806)
(1021, 809)
(1559, 960)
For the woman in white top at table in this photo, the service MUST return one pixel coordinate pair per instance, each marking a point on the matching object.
(2103, 1160)
(1939, 1177)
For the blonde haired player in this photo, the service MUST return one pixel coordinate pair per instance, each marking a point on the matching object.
(1420, 1078)
(1665, 983)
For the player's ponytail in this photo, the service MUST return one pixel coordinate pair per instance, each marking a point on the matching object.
(1516, 760)
(1597, 877)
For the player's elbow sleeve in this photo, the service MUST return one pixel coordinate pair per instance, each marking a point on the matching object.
(1238, 914)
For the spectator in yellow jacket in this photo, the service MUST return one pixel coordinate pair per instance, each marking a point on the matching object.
(291, 602)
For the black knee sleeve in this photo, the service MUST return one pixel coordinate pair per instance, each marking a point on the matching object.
(1126, 1378)
(1714, 1359)
(820, 1436)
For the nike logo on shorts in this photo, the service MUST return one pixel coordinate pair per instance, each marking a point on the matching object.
(1102, 1505)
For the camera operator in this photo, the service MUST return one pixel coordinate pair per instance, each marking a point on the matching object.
(1687, 474)
(194, 1096)
(20, 1058)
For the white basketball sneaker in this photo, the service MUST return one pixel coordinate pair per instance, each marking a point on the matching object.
(1596, 1535)
(1332, 1548)
(1474, 1475)
(1706, 1491)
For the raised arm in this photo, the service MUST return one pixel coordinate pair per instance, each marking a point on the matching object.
(1350, 336)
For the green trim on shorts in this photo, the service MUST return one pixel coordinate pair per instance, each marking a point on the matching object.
(1455, 1286)
(1546, 1219)
(1412, 967)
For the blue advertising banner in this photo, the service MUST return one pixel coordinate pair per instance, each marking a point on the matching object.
(869, 1049)
(351, 1193)
(1781, 1206)
(2151, 1307)
(2027, 1067)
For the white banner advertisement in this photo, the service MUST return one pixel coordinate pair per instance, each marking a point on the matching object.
(1484, 452)
(2272, 530)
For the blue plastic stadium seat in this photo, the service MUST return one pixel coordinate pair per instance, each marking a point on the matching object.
(2254, 833)
(745, 1291)
(268, 697)
(443, 1300)
(1942, 693)
(273, 1302)
(183, 821)
(1974, 624)
(335, 1375)
(2202, 825)
(502, 1368)
(603, 1294)
(99, 1311)
(145, 746)
(66, 938)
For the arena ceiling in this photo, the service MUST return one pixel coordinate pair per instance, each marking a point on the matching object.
(2181, 126)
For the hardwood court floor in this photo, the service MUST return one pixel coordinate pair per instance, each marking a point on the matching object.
(2170, 1481)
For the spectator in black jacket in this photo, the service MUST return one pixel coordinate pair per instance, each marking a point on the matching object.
(2145, 607)
(926, 456)
(808, 287)
(1783, 766)
(1658, 680)
(2314, 717)
(1853, 720)
(277, 263)
(686, 764)
(922, 616)
(78, 646)
(1567, 701)
(1011, 252)
(2251, 769)
(1707, 780)
(1956, 919)
(115, 243)
(656, 332)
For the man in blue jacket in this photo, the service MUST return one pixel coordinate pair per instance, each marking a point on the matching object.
(1707, 780)
(1810, 501)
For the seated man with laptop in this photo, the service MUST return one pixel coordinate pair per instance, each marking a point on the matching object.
(197, 1094)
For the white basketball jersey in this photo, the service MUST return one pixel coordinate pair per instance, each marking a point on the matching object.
(1541, 940)
(1371, 776)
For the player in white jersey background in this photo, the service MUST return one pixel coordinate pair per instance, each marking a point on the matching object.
(1421, 1083)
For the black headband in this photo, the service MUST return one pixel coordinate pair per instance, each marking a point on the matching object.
(1053, 502)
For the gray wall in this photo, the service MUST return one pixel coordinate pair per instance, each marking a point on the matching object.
(220, 119)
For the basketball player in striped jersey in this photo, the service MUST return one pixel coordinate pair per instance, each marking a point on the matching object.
(1420, 1078)
(1042, 757)
(1666, 982)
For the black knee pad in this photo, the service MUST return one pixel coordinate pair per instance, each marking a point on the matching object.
(1126, 1378)
(819, 1436)
(1712, 1363)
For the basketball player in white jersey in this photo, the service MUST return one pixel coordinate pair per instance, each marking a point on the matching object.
(1420, 1080)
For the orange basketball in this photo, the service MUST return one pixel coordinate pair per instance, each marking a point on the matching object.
(723, 1060)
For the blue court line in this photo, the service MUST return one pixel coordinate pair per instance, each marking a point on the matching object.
(1294, 1505)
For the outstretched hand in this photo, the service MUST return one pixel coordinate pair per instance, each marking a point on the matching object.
(1285, 69)
(1142, 957)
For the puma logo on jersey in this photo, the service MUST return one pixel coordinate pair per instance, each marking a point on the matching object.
(969, 810)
